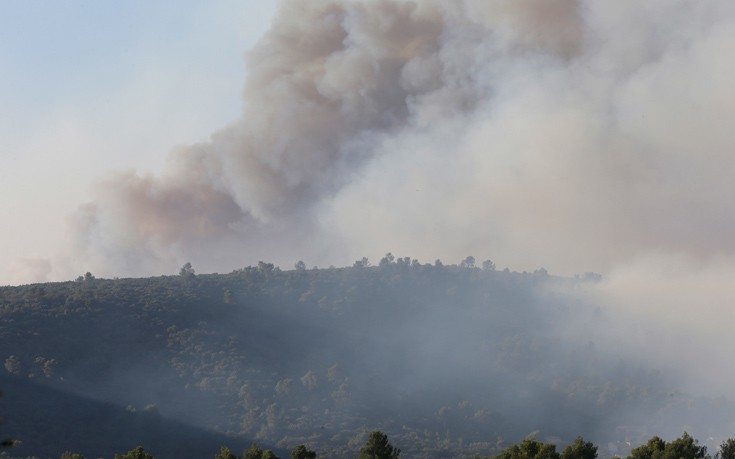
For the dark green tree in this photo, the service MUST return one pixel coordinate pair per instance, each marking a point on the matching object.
(225, 453)
(302, 453)
(266, 267)
(684, 447)
(137, 453)
(187, 270)
(253, 453)
(488, 265)
(580, 449)
(530, 449)
(727, 449)
(653, 448)
(364, 263)
(378, 447)
(256, 453)
(387, 260)
(468, 262)
(70, 455)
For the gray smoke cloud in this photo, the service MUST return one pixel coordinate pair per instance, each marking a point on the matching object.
(328, 85)
(560, 133)
(569, 134)
(608, 149)
(324, 83)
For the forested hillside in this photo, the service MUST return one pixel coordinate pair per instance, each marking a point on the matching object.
(450, 361)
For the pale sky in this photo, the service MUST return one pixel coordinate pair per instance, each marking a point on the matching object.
(92, 87)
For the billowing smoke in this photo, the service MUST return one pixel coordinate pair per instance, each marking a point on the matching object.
(570, 134)
(334, 89)
(611, 148)
(566, 134)
(325, 83)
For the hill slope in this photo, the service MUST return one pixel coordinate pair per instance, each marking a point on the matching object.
(46, 422)
(448, 360)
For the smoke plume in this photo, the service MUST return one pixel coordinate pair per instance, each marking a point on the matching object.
(569, 134)
(565, 134)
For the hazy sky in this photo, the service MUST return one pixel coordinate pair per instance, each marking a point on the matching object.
(88, 88)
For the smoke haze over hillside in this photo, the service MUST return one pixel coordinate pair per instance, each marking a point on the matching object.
(573, 135)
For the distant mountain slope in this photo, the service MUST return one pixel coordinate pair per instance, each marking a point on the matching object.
(47, 422)
(448, 360)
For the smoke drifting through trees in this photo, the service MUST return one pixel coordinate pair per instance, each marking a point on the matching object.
(450, 360)
(574, 135)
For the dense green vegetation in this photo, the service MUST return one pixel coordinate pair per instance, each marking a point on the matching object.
(449, 360)
(379, 447)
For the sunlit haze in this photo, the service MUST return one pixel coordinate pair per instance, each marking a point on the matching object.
(93, 88)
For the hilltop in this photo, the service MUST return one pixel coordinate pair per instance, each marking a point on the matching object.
(449, 360)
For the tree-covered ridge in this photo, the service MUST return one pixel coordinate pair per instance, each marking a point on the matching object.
(378, 446)
(450, 360)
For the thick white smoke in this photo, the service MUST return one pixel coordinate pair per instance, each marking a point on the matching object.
(575, 135)
(569, 134)
(575, 160)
